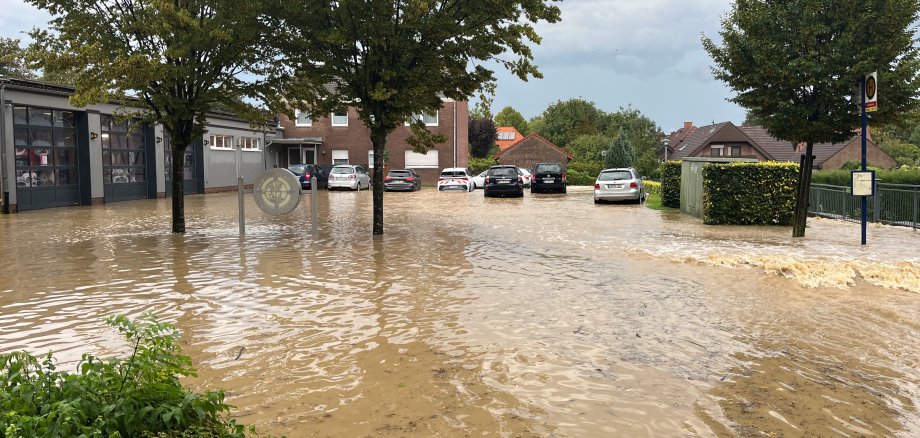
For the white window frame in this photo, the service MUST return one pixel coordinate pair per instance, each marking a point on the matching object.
(428, 160)
(332, 119)
(250, 144)
(715, 147)
(370, 159)
(421, 116)
(339, 154)
(225, 141)
(308, 123)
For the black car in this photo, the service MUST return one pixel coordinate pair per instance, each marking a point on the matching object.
(503, 180)
(548, 177)
(305, 172)
(403, 179)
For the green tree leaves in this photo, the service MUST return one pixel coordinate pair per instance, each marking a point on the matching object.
(509, 116)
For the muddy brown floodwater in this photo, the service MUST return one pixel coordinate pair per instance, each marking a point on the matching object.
(541, 316)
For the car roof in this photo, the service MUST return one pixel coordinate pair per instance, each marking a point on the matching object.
(501, 166)
(617, 168)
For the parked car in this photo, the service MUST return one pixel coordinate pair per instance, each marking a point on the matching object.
(305, 172)
(455, 178)
(622, 184)
(526, 177)
(479, 180)
(503, 180)
(349, 176)
(404, 179)
(548, 177)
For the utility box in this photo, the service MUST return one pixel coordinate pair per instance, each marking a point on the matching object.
(691, 182)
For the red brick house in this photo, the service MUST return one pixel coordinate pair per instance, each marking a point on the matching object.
(727, 140)
(531, 150)
(342, 138)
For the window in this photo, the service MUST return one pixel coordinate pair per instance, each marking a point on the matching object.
(716, 150)
(735, 150)
(428, 119)
(370, 159)
(505, 136)
(340, 118)
(339, 157)
(249, 143)
(188, 165)
(123, 152)
(221, 142)
(422, 161)
(302, 118)
(45, 147)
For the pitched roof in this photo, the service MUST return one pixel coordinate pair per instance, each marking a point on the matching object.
(693, 140)
(677, 137)
(783, 150)
(531, 138)
(508, 131)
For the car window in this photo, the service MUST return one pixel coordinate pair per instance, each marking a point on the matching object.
(342, 170)
(298, 170)
(615, 175)
(549, 168)
(453, 173)
(399, 174)
(503, 171)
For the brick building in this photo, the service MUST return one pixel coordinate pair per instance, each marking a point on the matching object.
(342, 138)
(531, 150)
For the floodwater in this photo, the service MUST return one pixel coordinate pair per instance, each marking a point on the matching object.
(541, 316)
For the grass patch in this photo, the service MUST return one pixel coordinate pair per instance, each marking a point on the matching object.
(653, 201)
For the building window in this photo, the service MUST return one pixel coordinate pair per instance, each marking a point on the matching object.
(221, 142)
(370, 159)
(249, 143)
(123, 153)
(339, 157)
(428, 119)
(735, 150)
(427, 160)
(340, 119)
(716, 150)
(188, 164)
(506, 135)
(45, 147)
(302, 118)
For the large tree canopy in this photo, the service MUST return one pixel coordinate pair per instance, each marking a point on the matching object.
(12, 60)
(795, 65)
(394, 59)
(509, 116)
(481, 135)
(564, 121)
(171, 60)
(642, 134)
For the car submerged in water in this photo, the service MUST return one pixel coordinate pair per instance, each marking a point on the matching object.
(620, 184)
(548, 178)
(455, 179)
(402, 180)
(305, 172)
(503, 180)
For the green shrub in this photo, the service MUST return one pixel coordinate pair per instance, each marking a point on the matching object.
(749, 193)
(670, 184)
(842, 177)
(653, 188)
(477, 165)
(137, 396)
(583, 173)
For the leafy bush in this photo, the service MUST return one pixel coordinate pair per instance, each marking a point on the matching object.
(670, 184)
(653, 188)
(477, 165)
(842, 177)
(583, 173)
(749, 193)
(137, 396)
(620, 153)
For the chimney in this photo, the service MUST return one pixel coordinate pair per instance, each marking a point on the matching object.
(688, 125)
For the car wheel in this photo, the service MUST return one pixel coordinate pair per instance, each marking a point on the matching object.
(597, 201)
(563, 190)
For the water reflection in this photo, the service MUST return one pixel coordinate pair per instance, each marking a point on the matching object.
(546, 315)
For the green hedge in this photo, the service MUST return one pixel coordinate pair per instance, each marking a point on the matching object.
(477, 165)
(670, 184)
(749, 193)
(583, 173)
(842, 177)
(653, 188)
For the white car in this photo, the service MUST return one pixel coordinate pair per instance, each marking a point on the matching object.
(479, 181)
(347, 176)
(526, 176)
(621, 184)
(455, 178)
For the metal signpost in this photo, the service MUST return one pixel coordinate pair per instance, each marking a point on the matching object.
(862, 183)
(277, 192)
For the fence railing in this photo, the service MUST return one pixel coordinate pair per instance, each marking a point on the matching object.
(893, 204)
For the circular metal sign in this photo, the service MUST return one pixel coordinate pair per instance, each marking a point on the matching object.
(277, 191)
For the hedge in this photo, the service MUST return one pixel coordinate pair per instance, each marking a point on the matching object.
(477, 165)
(653, 188)
(583, 173)
(842, 177)
(670, 184)
(749, 193)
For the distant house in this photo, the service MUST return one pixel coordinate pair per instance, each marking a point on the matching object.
(506, 136)
(533, 149)
(342, 138)
(728, 140)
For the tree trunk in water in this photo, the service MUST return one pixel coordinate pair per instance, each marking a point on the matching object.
(182, 139)
(803, 192)
(379, 139)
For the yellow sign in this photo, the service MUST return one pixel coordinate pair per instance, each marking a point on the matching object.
(871, 92)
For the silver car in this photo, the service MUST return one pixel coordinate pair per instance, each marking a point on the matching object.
(348, 176)
(622, 184)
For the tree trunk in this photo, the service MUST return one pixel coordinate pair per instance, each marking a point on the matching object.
(182, 139)
(379, 140)
(803, 192)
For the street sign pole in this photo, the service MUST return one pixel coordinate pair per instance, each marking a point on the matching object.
(864, 204)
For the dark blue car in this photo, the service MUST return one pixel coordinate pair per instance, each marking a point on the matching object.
(306, 171)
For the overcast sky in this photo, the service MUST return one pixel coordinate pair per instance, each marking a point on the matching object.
(643, 53)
